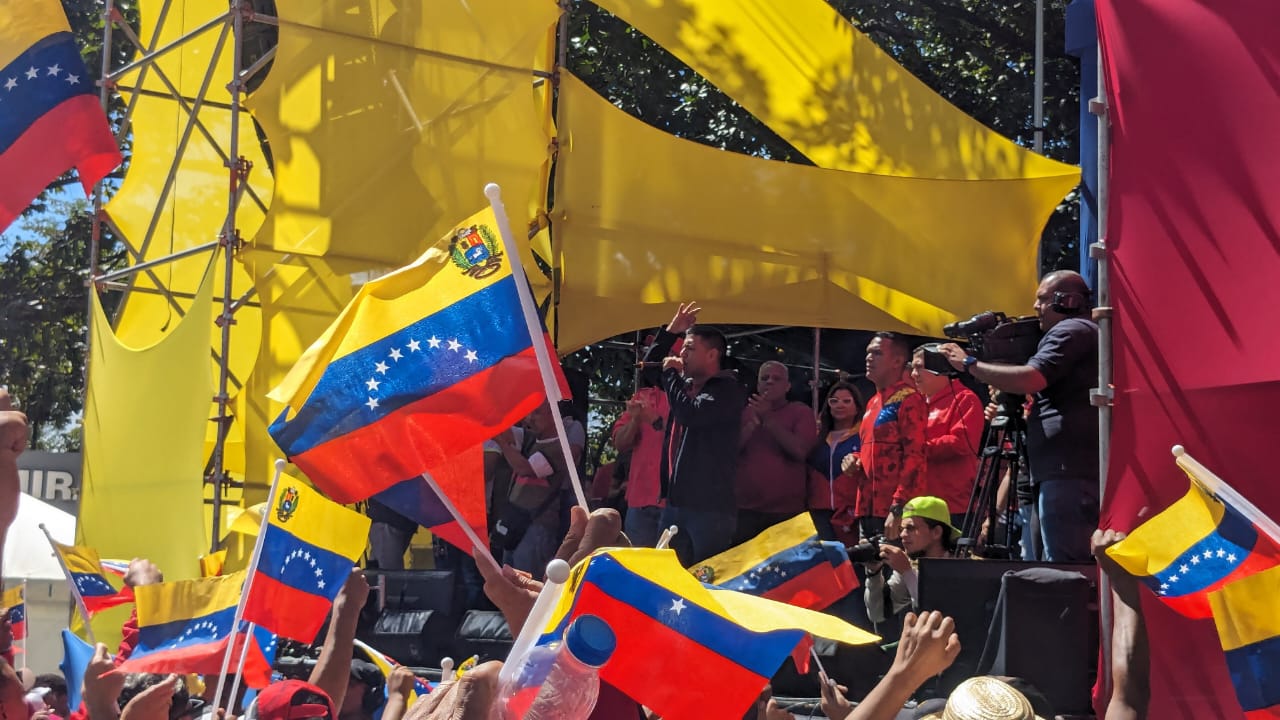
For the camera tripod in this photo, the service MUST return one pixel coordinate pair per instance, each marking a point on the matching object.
(1004, 449)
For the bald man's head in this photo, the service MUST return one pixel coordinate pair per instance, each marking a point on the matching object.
(1062, 294)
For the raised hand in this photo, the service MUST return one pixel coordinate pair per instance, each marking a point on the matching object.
(928, 646)
(471, 697)
(686, 317)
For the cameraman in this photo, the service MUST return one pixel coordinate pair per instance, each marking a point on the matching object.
(1062, 429)
(926, 532)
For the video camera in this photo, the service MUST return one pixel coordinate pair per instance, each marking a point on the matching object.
(994, 337)
(868, 551)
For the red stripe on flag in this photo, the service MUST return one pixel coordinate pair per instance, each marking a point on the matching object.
(73, 134)
(650, 654)
(457, 477)
(1271, 713)
(816, 588)
(285, 610)
(424, 435)
(203, 659)
(98, 603)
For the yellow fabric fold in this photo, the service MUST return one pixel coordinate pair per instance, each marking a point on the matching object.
(829, 90)
(644, 220)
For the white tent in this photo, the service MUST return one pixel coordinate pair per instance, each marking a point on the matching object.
(27, 555)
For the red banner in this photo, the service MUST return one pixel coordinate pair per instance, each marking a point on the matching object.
(1194, 229)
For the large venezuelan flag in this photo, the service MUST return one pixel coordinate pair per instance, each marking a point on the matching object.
(51, 119)
(186, 625)
(86, 571)
(787, 563)
(15, 611)
(309, 546)
(679, 640)
(1249, 628)
(424, 364)
(1193, 547)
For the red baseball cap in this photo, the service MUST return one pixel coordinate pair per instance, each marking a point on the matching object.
(292, 700)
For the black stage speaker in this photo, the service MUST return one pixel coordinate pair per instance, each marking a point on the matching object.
(483, 633)
(1047, 623)
(411, 637)
(417, 589)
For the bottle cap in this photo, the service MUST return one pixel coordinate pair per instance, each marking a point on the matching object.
(591, 640)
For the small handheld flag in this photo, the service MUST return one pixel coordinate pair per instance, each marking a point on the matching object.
(309, 546)
(15, 611)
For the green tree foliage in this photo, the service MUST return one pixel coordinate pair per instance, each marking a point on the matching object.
(43, 310)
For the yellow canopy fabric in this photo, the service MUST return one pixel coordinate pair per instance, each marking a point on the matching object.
(388, 118)
(645, 220)
(195, 203)
(829, 90)
(141, 494)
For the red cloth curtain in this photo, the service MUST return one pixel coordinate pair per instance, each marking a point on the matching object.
(1194, 230)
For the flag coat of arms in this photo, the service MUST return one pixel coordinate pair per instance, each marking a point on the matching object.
(15, 611)
(52, 118)
(423, 364)
(787, 563)
(1197, 545)
(309, 546)
(185, 626)
(678, 637)
(86, 571)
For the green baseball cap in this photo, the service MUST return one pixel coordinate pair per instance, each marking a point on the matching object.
(931, 508)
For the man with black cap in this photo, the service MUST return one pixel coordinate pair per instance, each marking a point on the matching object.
(926, 532)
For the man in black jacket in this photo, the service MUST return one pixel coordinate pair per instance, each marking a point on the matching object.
(700, 445)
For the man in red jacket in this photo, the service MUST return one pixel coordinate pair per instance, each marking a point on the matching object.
(893, 442)
(952, 434)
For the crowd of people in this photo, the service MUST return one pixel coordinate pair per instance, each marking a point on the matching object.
(722, 460)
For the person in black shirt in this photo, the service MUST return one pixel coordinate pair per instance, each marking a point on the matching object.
(700, 443)
(1062, 428)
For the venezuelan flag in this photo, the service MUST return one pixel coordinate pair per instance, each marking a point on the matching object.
(186, 625)
(385, 665)
(1249, 628)
(15, 611)
(85, 569)
(52, 119)
(677, 638)
(309, 546)
(1193, 547)
(786, 563)
(425, 363)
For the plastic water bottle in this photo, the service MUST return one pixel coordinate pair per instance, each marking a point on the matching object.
(560, 681)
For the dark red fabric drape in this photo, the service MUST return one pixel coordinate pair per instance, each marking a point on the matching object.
(1194, 229)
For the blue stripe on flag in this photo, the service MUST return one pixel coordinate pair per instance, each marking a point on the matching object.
(428, 356)
(40, 79)
(301, 565)
(182, 633)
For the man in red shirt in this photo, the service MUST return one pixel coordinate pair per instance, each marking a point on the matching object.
(639, 431)
(776, 437)
(892, 455)
(952, 434)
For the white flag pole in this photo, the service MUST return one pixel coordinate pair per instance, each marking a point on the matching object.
(494, 193)
(1219, 487)
(244, 592)
(244, 653)
(71, 582)
(480, 547)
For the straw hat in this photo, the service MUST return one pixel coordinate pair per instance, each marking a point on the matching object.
(985, 698)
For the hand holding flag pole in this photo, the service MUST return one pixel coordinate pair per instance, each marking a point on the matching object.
(71, 583)
(1219, 487)
(536, 333)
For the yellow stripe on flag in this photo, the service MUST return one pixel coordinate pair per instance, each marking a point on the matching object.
(80, 559)
(12, 597)
(1245, 610)
(319, 521)
(737, 560)
(383, 306)
(23, 24)
(186, 599)
(1170, 533)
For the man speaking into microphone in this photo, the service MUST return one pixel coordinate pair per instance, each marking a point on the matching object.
(1062, 429)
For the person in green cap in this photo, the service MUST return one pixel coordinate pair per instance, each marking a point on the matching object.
(926, 532)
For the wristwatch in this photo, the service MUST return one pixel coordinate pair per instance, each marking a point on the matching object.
(895, 510)
(969, 362)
